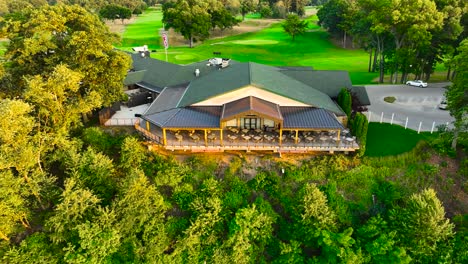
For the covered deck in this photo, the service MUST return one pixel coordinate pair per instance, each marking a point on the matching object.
(233, 138)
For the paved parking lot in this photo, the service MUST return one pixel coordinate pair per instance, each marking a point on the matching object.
(416, 104)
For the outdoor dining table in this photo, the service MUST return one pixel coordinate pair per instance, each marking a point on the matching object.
(310, 139)
(257, 138)
(349, 139)
(212, 137)
(246, 138)
(234, 130)
(195, 137)
(323, 138)
(258, 130)
(245, 130)
(179, 137)
(232, 138)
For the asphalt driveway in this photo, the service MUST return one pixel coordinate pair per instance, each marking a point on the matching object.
(416, 104)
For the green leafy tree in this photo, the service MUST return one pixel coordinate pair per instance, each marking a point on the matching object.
(344, 101)
(59, 102)
(41, 39)
(190, 18)
(421, 225)
(250, 230)
(457, 94)
(380, 243)
(77, 206)
(141, 212)
(315, 214)
(14, 212)
(113, 12)
(294, 26)
(247, 6)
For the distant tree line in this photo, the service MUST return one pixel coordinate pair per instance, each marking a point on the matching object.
(402, 37)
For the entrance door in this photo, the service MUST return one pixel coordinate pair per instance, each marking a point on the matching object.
(250, 123)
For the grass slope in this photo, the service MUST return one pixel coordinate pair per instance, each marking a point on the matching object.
(386, 139)
(269, 46)
(145, 30)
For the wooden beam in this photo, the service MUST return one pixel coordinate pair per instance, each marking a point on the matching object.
(221, 137)
(164, 137)
(280, 136)
(297, 135)
(206, 138)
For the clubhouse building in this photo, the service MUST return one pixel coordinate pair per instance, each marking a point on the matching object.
(221, 104)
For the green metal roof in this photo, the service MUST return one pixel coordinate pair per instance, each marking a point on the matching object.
(134, 77)
(265, 77)
(329, 82)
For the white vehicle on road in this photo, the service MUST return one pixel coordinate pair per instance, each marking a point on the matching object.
(417, 83)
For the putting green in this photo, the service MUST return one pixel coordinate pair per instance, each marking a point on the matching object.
(255, 42)
(184, 57)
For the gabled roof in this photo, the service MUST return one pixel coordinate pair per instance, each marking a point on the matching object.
(265, 77)
(251, 105)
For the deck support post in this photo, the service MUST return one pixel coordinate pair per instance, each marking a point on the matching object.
(221, 137)
(148, 126)
(297, 135)
(164, 137)
(280, 136)
(206, 138)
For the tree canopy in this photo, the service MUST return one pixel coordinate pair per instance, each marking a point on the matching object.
(294, 26)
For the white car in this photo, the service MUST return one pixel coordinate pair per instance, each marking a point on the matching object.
(417, 83)
(443, 104)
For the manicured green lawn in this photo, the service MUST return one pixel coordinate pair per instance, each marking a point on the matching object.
(385, 139)
(269, 46)
(145, 30)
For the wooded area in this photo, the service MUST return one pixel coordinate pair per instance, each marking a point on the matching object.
(401, 36)
(74, 193)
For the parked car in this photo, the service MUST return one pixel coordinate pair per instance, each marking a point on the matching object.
(443, 104)
(417, 83)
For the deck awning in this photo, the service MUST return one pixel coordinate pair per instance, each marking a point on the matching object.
(185, 118)
(309, 118)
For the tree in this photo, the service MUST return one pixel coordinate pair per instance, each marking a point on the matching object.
(457, 93)
(250, 231)
(421, 225)
(14, 212)
(344, 101)
(294, 26)
(195, 18)
(380, 243)
(41, 39)
(113, 12)
(247, 6)
(315, 213)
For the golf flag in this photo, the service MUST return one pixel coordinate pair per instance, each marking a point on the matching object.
(165, 40)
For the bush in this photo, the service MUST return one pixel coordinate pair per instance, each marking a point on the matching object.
(390, 99)
(344, 101)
